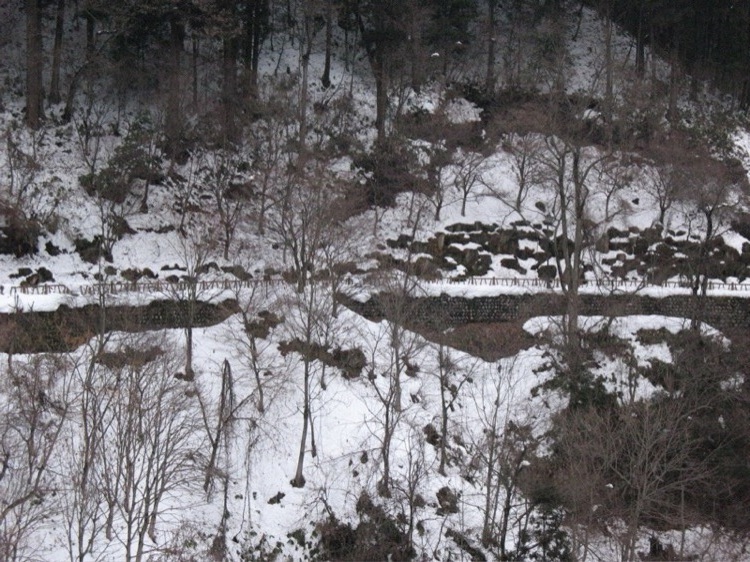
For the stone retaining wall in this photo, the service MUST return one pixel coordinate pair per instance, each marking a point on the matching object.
(66, 328)
(444, 311)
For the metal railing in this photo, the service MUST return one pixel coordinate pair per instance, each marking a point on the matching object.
(607, 283)
(160, 287)
(171, 288)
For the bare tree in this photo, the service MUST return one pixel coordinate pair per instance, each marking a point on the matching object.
(393, 356)
(305, 218)
(227, 179)
(385, 377)
(467, 174)
(312, 13)
(714, 201)
(89, 126)
(28, 200)
(662, 183)
(408, 489)
(34, 64)
(270, 153)
(382, 30)
(153, 439)
(217, 431)
(634, 463)
(438, 160)
(310, 324)
(502, 449)
(242, 401)
(524, 150)
(338, 254)
(194, 250)
(185, 186)
(614, 177)
(568, 168)
(84, 512)
(452, 374)
(255, 346)
(54, 85)
(35, 401)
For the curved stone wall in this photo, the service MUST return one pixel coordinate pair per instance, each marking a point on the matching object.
(445, 311)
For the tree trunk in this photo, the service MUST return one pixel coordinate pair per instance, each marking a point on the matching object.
(672, 114)
(90, 33)
(303, 95)
(505, 520)
(640, 45)
(229, 90)
(255, 16)
(418, 63)
(54, 85)
(489, 82)
(609, 72)
(196, 50)
(443, 427)
(573, 296)
(299, 479)
(381, 95)
(488, 520)
(326, 78)
(172, 118)
(384, 486)
(34, 64)
(191, 304)
(222, 419)
(82, 70)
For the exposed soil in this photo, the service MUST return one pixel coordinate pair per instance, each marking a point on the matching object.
(489, 341)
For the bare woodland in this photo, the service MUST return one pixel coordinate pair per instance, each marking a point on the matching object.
(269, 141)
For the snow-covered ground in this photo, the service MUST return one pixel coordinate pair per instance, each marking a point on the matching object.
(349, 416)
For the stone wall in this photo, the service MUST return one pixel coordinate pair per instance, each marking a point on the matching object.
(66, 328)
(444, 311)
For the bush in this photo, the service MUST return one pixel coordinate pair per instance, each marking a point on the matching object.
(390, 170)
(376, 537)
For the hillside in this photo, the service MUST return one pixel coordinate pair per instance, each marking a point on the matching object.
(294, 163)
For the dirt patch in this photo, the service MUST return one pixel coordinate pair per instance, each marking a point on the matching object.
(490, 341)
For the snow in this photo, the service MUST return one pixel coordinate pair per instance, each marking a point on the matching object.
(346, 414)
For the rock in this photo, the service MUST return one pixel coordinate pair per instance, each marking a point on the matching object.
(22, 272)
(132, 275)
(51, 249)
(512, 263)
(602, 244)
(91, 250)
(425, 268)
(45, 275)
(120, 227)
(402, 242)
(613, 232)
(547, 272)
(277, 498)
(640, 246)
(431, 435)
(19, 240)
(503, 242)
(238, 271)
(448, 501)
